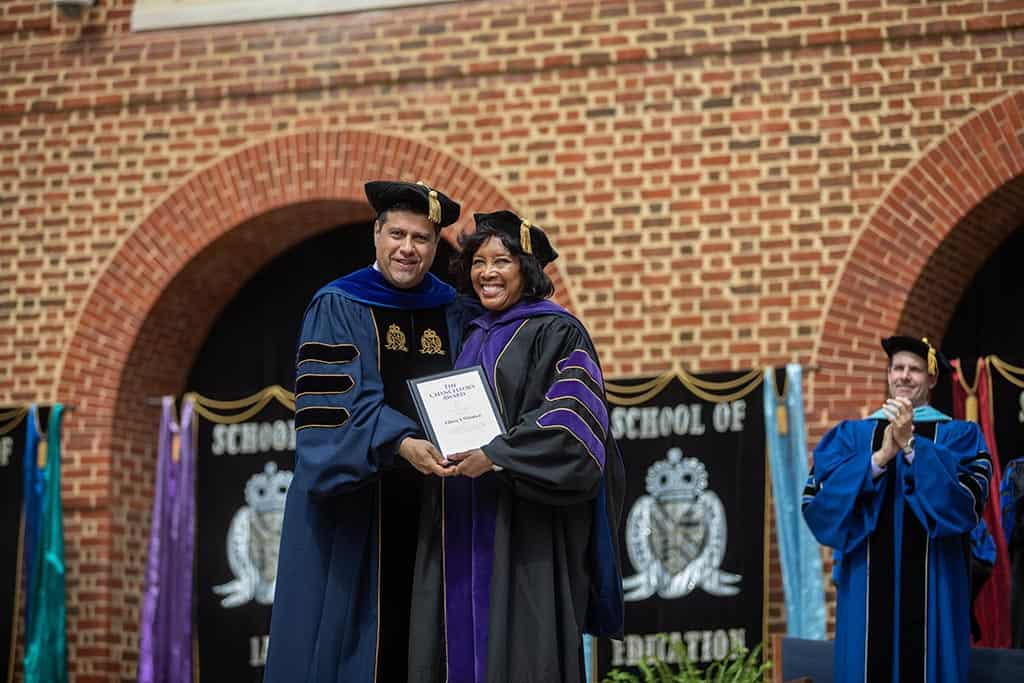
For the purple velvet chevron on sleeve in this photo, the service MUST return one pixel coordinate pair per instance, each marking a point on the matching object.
(577, 405)
(578, 390)
(582, 360)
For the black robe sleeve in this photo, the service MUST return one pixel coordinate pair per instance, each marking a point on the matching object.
(555, 449)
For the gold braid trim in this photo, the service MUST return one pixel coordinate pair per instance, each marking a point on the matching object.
(626, 389)
(647, 391)
(250, 405)
(11, 419)
(1012, 373)
(700, 388)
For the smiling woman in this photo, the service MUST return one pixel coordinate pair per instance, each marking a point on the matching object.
(503, 261)
(527, 560)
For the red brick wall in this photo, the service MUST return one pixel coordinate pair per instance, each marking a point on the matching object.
(730, 183)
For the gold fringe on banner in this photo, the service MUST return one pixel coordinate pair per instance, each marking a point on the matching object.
(250, 405)
(631, 395)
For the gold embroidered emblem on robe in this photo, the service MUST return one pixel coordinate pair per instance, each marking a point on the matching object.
(430, 343)
(395, 339)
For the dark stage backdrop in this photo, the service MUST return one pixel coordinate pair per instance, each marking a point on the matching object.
(245, 457)
(12, 450)
(987, 321)
(693, 543)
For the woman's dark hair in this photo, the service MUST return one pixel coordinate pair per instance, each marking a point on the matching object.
(536, 283)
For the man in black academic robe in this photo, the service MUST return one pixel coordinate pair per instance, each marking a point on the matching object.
(341, 610)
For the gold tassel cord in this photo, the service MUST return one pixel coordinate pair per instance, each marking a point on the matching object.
(524, 237)
(433, 203)
(933, 362)
(971, 412)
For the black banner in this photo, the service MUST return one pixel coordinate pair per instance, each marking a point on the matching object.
(244, 463)
(1007, 408)
(13, 426)
(694, 517)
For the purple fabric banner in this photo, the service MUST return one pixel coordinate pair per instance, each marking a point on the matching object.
(165, 642)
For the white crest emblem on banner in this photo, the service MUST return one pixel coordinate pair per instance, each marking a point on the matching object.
(676, 535)
(254, 539)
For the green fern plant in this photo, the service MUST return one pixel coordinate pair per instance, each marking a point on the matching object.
(741, 666)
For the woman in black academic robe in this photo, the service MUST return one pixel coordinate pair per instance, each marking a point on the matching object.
(518, 555)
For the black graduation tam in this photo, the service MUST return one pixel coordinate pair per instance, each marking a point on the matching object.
(937, 363)
(383, 194)
(522, 233)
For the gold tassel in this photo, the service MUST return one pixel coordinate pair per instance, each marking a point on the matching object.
(782, 415)
(933, 363)
(175, 448)
(524, 237)
(41, 455)
(433, 204)
(971, 408)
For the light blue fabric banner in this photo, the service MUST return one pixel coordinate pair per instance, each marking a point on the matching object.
(588, 649)
(799, 553)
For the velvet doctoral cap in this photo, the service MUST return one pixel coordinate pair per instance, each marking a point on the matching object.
(520, 232)
(435, 205)
(937, 363)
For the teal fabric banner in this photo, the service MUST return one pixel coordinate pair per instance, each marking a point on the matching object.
(34, 485)
(799, 553)
(45, 642)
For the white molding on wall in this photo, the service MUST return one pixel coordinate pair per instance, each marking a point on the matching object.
(151, 15)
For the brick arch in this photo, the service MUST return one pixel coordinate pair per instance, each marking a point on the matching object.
(147, 315)
(918, 251)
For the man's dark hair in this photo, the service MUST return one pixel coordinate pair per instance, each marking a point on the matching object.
(536, 283)
(382, 217)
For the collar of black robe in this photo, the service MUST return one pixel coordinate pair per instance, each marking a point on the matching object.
(368, 286)
(522, 309)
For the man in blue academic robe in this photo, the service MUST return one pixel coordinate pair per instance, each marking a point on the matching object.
(344, 582)
(898, 495)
